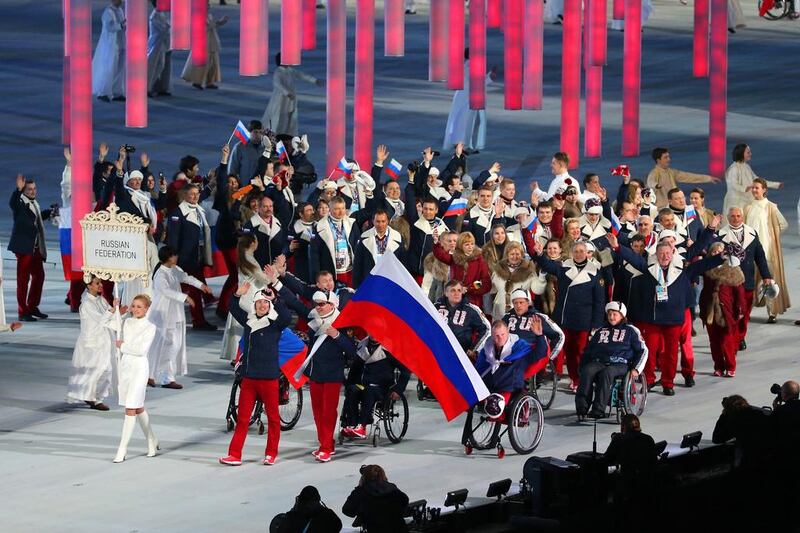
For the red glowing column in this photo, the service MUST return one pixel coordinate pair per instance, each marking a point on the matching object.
(597, 24)
(136, 63)
(494, 13)
(394, 28)
(631, 77)
(618, 9)
(263, 37)
(364, 79)
(248, 38)
(309, 24)
(513, 14)
(162, 5)
(593, 108)
(335, 126)
(291, 31)
(199, 38)
(718, 82)
(571, 81)
(181, 24)
(455, 48)
(477, 54)
(437, 41)
(65, 118)
(534, 43)
(81, 116)
(700, 49)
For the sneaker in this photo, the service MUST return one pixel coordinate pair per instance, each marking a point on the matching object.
(323, 457)
(718, 373)
(730, 373)
(689, 381)
(269, 460)
(359, 432)
(230, 461)
(669, 391)
(315, 453)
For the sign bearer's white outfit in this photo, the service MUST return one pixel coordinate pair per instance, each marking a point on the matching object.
(94, 352)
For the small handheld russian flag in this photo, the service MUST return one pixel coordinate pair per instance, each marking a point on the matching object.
(458, 206)
(533, 224)
(616, 225)
(241, 133)
(691, 214)
(280, 149)
(394, 169)
(621, 170)
(344, 167)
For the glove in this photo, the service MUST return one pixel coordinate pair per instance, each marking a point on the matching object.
(267, 146)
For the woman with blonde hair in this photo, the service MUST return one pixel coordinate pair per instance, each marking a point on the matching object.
(466, 265)
(136, 336)
(572, 234)
(513, 272)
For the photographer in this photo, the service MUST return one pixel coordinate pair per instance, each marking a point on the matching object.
(635, 453)
(379, 504)
(748, 426)
(309, 515)
(785, 421)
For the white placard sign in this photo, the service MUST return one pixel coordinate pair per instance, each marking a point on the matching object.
(114, 245)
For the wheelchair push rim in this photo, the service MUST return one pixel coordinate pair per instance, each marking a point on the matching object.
(526, 423)
(395, 418)
(290, 404)
(482, 431)
(635, 391)
(779, 9)
(543, 385)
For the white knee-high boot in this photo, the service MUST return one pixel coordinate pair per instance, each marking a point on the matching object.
(152, 442)
(127, 431)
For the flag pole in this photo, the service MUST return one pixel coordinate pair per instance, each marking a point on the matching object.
(231, 137)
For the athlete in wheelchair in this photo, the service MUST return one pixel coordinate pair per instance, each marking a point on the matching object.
(504, 364)
(375, 388)
(615, 352)
(542, 384)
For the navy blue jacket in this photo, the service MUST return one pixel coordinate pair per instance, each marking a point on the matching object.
(323, 247)
(466, 321)
(268, 248)
(671, 312)
(226, 234)
(421, 243)
(620, 344)
(184, 237)
(380, 373)
(24, 232)
(260, 357)
(580, 299)
(754, 255)
(366, 253)
(510, 376)
(521, 326)
(327, 365)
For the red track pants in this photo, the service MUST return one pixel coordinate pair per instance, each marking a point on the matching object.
(30, 279)
(724, 345)
(662, 342)
(574, 344)
(251, 390)
(324, 405)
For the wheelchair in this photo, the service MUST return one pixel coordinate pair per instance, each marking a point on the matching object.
(543, 385)
(390, 414)
(628, 396)
(290, 406)
(522, 419)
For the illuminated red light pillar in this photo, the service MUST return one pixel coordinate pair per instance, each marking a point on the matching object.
(437, 41)
(477, 54)
(364, 78)
(594, 39)
(309, 24)
(136, 63)
(700, 48)
(718, 85)
(199, 39)
(631, 77)
(262, 38)
(248, 38)
(335, 126)
(571, 81)
(291, 31)
(533, 67)
(65, 112)
(162, 5)
(513, 14)
(455, 49)
(81, 117)
(180, 29)
(394, 28)
(494, 13)
(597, 24)
(618, 9)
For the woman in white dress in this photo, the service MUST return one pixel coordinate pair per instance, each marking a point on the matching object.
(208, 75)
(250, 273)
(94, 352)
(765, 217)
(168, 353)
(739, 177)
(137, 334)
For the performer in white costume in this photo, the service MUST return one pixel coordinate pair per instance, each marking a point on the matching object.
(136, 337)
(168, 353)
(281, 113)
(466, 125)
(108, 63)
(159, 56)
(94, 352)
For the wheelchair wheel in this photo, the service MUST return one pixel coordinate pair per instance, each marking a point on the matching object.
(480, 431)
(230, 416)
(543, 385)
(779, 9)
(525, 423)
(395, 418)
(290, 403)
(635, 391)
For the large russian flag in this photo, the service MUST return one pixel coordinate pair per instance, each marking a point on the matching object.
(291, 354)
(391, 307)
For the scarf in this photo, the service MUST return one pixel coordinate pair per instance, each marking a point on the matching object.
(255, 322)
(142, 202)
(398, 206)
(319, 324)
